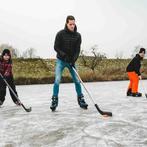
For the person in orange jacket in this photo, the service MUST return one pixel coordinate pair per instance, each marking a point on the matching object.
(133, 70)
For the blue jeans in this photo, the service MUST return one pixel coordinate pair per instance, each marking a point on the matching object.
(60, 65)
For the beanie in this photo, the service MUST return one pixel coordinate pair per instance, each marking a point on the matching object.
(6, 51)
(142, 50)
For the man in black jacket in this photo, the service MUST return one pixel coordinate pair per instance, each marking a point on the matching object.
(133, 70)
(67, 45)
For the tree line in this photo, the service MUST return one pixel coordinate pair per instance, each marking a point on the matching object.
(90, 59)
(28, 53)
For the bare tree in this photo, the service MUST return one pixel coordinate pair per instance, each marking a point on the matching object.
(94, 60)
(119, 55)
(29, 53)
(82, 55)
(98, 57)
(136, 50)
(15, 53)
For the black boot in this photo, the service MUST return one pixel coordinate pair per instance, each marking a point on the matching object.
(54, 103)
(129, 92)
(137, 94)
(82, 102)
(1, 103)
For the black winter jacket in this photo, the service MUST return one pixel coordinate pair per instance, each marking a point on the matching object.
(135, 65)
(67, 45)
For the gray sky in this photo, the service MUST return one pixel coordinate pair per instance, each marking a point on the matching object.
(114, 25)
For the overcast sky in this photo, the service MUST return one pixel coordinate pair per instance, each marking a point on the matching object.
(114, 25)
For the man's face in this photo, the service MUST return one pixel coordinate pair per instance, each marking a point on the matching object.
(71, 25)
(6, 57)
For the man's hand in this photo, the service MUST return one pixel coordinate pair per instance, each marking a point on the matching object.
(68, 59)
(6, 74)
(72, 65)
(140, 77)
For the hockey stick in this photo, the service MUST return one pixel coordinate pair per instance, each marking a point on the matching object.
(143, 89)
(104, 113)
(26, 109)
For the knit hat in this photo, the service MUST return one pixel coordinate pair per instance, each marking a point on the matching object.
(6, 51)
(142, 50)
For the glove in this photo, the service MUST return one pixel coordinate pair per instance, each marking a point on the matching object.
(72, 65)
(67, 59)
(140, 77)
(6, 74)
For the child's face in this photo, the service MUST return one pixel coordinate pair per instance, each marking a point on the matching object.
(6, 57)
(142, 54)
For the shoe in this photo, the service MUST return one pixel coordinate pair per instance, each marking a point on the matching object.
(137, 94)
(54, 103)
(82, 102)
(129, 92)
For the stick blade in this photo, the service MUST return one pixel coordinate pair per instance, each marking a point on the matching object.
(107, 114)
(28, 109)
(104, 113)
(146, 95)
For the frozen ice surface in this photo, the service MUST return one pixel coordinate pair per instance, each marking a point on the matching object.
(70, 126)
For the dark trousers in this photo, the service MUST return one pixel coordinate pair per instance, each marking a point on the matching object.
(3, 87)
